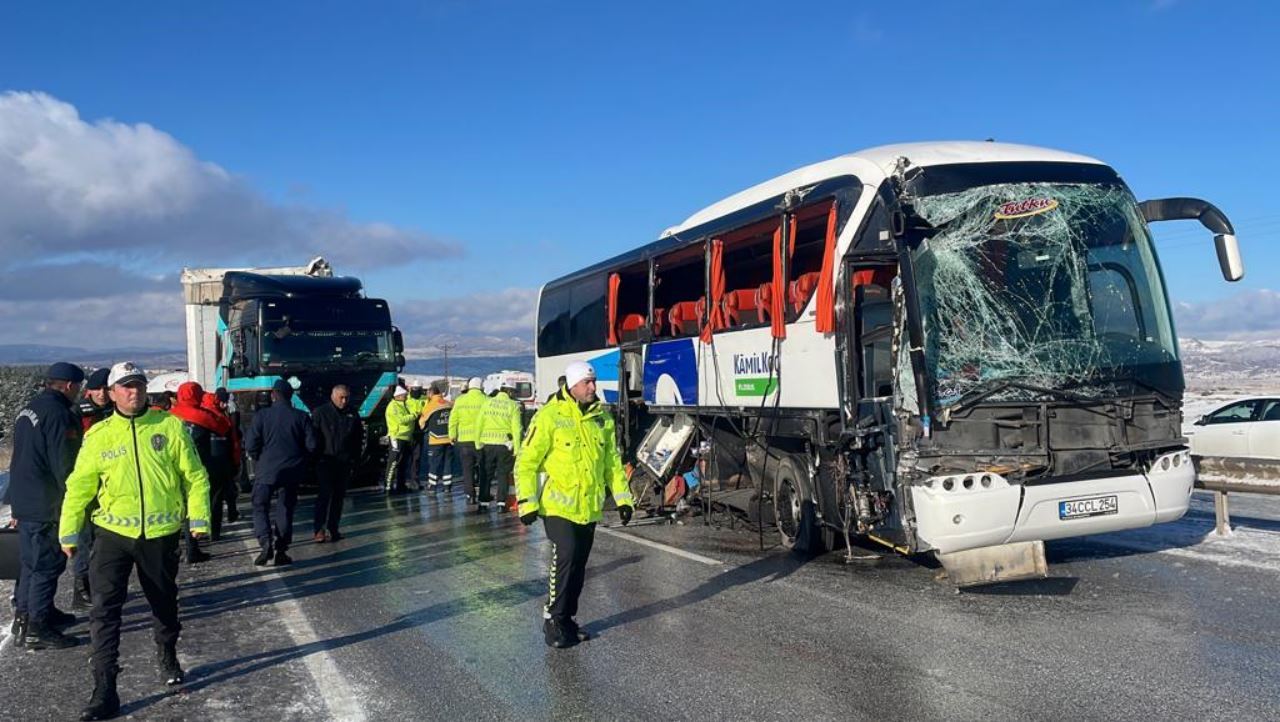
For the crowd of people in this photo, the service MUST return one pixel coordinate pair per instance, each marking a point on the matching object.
(115, 485)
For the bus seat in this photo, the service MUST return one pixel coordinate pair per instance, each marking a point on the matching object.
(683, 318)
(801, 290)
(737, 303)
(764, 300)
(629, 329)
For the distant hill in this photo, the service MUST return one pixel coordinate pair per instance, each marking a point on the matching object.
(468, 366)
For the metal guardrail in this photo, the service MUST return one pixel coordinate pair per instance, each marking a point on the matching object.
(1236, 471)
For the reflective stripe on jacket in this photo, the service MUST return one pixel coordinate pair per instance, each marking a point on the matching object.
(499, 422)
(579, 453)
(146, 475)
(465, 417)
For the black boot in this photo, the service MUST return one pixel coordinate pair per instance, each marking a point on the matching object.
(82, 598)
(282, 558)
(18, 629)
(572, 628)
(167, 659)
(262, 558)
(555, 635)
(60, 619)
(105, 702)
(43, 636)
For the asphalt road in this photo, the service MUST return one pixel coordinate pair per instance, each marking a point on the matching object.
(427, 612)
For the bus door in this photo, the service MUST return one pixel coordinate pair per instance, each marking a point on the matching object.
(869, 389)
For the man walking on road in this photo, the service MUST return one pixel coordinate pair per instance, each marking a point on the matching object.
(224, 448)
(340, 436)
(281, 441)
(498, 438)
(572, 440)
(94, 407)
(202, 425)
(144, 471)
(464, 421)
(46, 437)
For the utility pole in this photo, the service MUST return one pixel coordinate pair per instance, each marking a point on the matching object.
(447, 347)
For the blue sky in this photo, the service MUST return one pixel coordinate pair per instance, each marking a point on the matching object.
(502, 143)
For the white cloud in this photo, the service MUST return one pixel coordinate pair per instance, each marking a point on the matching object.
(121, 192)
(146, 320)
(497, 322)
(1251, 314)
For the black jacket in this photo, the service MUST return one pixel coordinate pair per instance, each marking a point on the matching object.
(202, 438)
(340, 431)
(280, 441)
(46, 439)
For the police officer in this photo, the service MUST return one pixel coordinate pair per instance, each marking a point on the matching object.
(143, 469)
(498, 438)
(281, 441)
(416, 402)
(572, 440)
(401, 423)
(463, 425)
(46, 437)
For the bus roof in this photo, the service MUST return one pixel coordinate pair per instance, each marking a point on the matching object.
(874, 164)
(871, 166)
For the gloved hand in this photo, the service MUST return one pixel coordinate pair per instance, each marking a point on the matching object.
(624, 513)
(529, 518)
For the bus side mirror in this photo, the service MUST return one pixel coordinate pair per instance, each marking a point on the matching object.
(1224, 235)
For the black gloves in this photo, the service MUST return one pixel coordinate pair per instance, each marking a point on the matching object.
(529, 518)
(624, 513)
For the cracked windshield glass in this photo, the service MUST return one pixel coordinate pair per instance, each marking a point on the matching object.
(1032, 288)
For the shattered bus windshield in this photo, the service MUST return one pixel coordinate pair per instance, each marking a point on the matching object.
(1049, 286)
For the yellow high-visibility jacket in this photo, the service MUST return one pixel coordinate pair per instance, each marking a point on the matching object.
(147, 477)
(400, 421)
(499, 422)
(579, 453)
(464, 420)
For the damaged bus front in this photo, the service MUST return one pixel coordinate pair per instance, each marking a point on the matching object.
(1038, 386)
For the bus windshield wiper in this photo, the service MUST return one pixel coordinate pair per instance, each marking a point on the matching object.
(995, 386)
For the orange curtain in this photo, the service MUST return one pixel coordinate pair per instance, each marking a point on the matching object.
(791, 241)
(612, 311)
(715, 314)
(826, 320)
(777, 299)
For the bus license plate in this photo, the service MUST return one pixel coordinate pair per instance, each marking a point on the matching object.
(1093, 506)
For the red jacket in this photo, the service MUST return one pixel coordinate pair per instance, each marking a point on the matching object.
(209, 402)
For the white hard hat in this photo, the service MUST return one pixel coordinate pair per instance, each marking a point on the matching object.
(475, 382)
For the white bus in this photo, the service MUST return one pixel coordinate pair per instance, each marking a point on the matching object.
(959, 347)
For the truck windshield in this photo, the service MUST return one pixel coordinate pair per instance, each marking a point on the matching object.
(1050, 285)
(284, 343)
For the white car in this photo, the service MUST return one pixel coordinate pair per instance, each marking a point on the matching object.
(1248, 428)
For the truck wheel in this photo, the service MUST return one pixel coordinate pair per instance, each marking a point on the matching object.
(794, 510)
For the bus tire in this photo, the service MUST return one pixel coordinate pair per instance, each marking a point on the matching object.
(794, 510)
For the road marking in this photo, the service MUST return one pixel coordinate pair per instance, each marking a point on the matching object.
(336, 693)
(658, 545)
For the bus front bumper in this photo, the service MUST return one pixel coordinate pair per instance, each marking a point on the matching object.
(969, 511)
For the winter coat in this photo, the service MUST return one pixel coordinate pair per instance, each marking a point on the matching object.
(46, 437)
(341, 432)
(281, 440)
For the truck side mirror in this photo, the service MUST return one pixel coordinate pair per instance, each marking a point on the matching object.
(1229, 256)
(1224, 238)
(397, 340)
(399, 361)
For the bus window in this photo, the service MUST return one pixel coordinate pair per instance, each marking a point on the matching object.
(806, 260)
(679, 293)
(571, 318)
(748, 265)
(631, 317)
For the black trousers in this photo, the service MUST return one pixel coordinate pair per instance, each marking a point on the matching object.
(218, 484)
(397, 466)
(274, 534)
(497, 463)
(42, 563)
(114, 558)
(333, 476)
(415, 460)
(472, 472)
(440, 464)
(570, 548)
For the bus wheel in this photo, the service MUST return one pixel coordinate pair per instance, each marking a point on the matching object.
(793, 508)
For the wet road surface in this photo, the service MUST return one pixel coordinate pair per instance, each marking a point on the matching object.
(426, 611)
